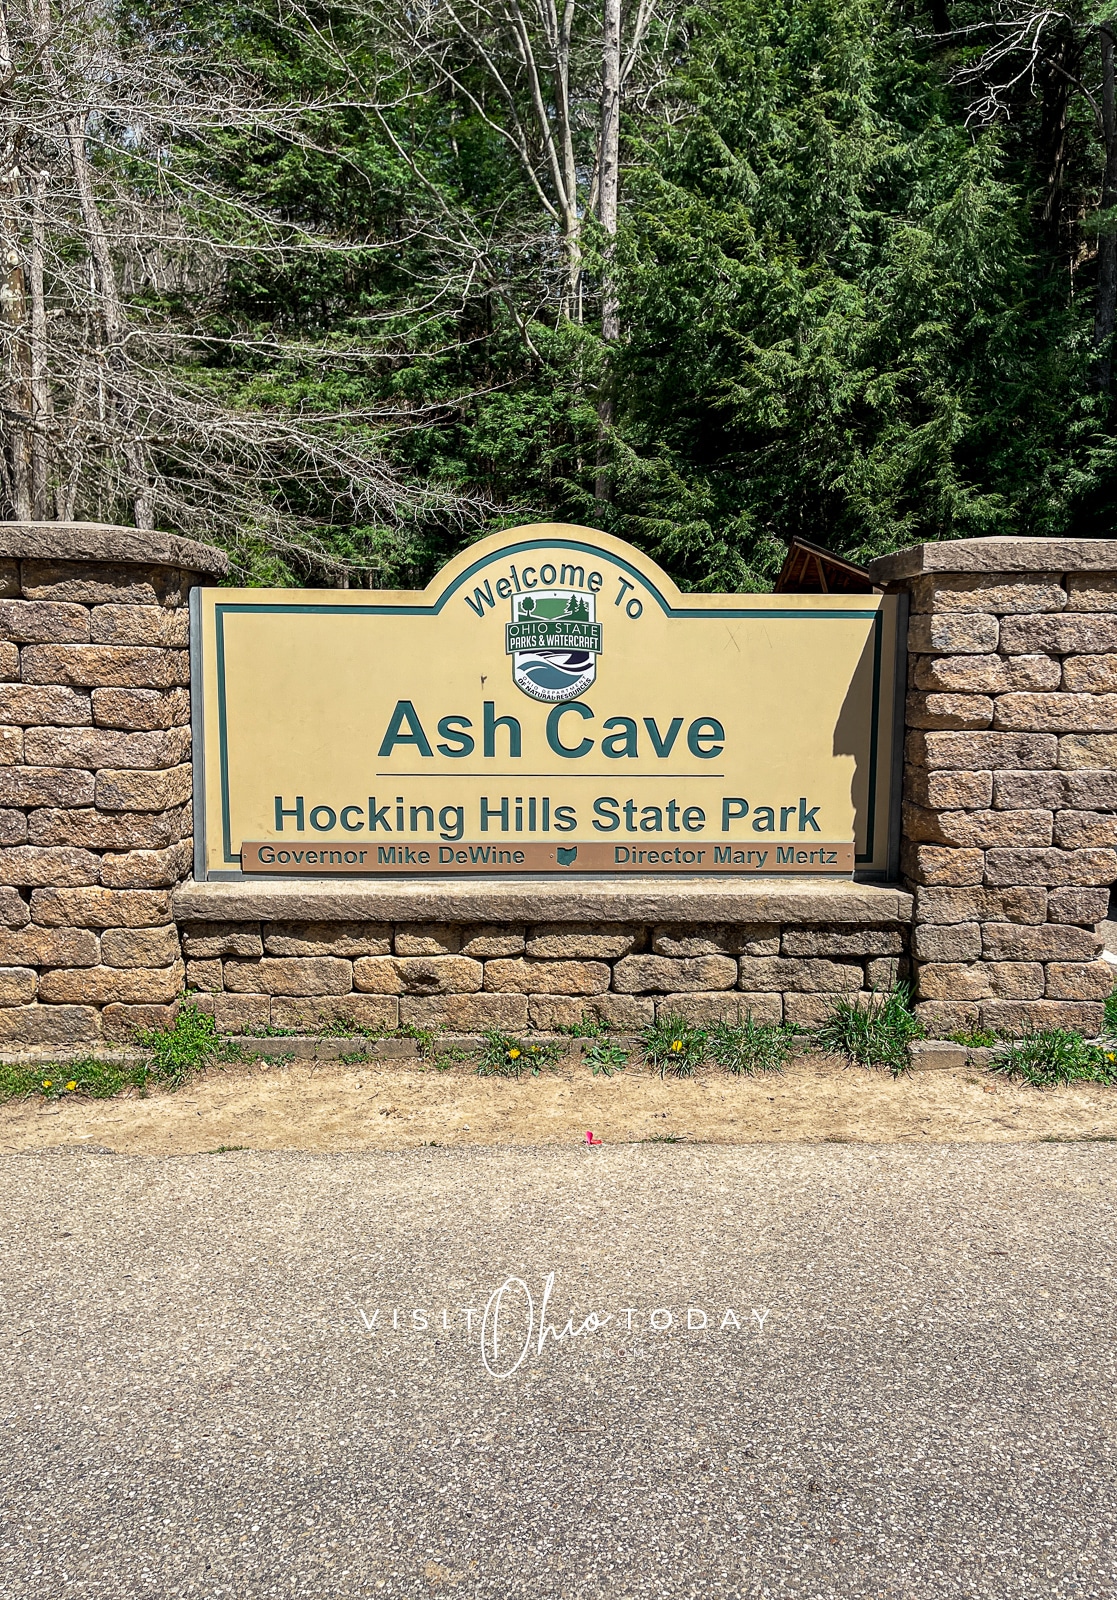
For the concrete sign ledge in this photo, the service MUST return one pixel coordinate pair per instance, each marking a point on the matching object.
(1000, 555)
(647, 900)
(104, 542)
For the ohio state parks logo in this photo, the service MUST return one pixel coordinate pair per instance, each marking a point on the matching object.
(554, 640)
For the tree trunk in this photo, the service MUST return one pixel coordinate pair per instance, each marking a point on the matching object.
(1105, 312)
(609, 193)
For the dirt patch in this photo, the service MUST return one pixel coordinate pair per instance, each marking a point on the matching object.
(393, 1106)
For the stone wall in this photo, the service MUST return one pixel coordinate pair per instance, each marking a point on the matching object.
(545, 975)
(1010, 778)
(95, 777)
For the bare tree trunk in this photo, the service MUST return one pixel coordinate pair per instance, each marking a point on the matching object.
(1105, 313)
(609, 193)
(40, 383)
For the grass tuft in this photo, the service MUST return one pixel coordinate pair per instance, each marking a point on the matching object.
(1056, 1055)
(504, 1056)
(876, 1035)
(672, 1045)
(975, 1038)
(747, 1047)
(189, 1044)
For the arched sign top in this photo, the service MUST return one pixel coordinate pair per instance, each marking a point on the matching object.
(551, 702)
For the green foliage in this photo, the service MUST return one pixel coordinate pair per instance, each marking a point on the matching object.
(1054, 1056)
(604, 1056)
(747, 1047)
(505, 1056)
(1111, 1016)
(673, 1045)
(189, 1044)
(873, 1035)
(975, 1038)
(90, 1078)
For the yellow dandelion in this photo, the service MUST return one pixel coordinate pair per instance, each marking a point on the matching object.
(71, 1084)
(48, 1083)
(677, 1044)
(513, 1054)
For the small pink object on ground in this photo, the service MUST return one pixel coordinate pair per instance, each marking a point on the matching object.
(590, 1138)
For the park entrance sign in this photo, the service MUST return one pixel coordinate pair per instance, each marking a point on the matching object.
(550, 703)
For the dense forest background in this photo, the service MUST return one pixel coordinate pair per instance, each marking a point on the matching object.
(344, 286)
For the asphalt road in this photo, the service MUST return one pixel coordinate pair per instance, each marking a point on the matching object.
(204, 1394)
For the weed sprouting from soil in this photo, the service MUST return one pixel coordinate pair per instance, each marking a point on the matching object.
(673, 1045)
(1056, 1056)
(873, 1035)
(747, 1047)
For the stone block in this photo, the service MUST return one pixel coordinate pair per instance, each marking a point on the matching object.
(157, 626)
(35, 622)
(1016, 980)
(1017, 1017)
(575, 941)
(1014, 904)
(11, 746)
(1033, 672)
(96, 907)
(1090, 674)
(961, 674)
(465, 1013)
(884, 972)
(957, 941)
(104, 747)
(104, 666)
(286, 975)
(1095, 750)
(841, 942)
(492, 939)
(206, 975)
(1076, 830)
(135, 790)
(122, 1024)
(1085, 790)
(1067, 635)
(712, 939)
(17, 986)
(949, 791)
(931, 864)
(1057, 713)
(953, 633)
(954, 981)
(436, 974)
(1051, 867)
(39, 1024)
(203, 940)
(346, 939)
(49, 947)
(140, 947)
(810, 1010)
(141, 710)
(377, 975)
(360, 1010)
(30, 705)
(98, 986)
(14, 911)
(1087, 907)
(1080, 980)
(948, 711)
(45, 786)
(981, 752)
(9, 579)
(427, 939)
(977, 828)
(700, 1010)
(1000, 594)
(1008, 941)
(938, 1056)
(13, 827)
(1028, 791)
(548, 977)
(27, 866)
(9, 662)
(97, 830)
(767, 974)
(667, 975)
(154, 869)
(1091, 591)
(625, 1013)
(242, 1013)
(103, 583)
(941, 1018)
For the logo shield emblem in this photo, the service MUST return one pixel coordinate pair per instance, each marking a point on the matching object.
(554, 640)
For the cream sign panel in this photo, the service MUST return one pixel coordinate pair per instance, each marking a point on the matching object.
(549, 703)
